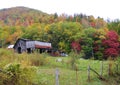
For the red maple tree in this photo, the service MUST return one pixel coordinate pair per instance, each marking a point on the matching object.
(112, 35)
(111, 44)
(76, 46)
(111, 52)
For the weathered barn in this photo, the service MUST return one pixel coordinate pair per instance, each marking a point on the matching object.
(29, 46)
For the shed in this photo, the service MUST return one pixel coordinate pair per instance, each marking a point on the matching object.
(24, 45)
(27, 45)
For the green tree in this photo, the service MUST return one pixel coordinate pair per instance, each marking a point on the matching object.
(114, 25)
(87, 42)
(4, 33)
(61, 34)
(32, 32)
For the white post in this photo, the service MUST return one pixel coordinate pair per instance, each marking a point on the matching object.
(57, 76)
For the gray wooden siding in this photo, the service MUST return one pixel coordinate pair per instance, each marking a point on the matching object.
(30, 44)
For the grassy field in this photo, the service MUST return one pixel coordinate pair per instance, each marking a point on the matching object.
(68, 76)
(40, 70)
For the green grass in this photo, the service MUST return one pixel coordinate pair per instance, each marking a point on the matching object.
(68, 76)
(45, 72)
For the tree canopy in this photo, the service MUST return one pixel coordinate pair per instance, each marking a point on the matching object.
(95, 37)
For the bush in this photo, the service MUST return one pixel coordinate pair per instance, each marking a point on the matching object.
(98, 55)
(73, 60)
(14, 74)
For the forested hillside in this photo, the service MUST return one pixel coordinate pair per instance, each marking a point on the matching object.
(24, 16)
(82, 33)
(21, 16)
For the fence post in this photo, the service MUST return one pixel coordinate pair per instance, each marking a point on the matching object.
(57, 76)
(76, 76)
(117, 68)
(89, 73)
(101, 69)
(110, 68)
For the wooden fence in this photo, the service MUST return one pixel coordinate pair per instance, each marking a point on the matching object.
(90, 69)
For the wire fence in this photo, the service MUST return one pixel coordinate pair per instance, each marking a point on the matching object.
(105, 70)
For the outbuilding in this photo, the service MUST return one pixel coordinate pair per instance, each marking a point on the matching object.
(29, 46)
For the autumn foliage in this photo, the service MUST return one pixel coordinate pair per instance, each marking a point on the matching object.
(97, 47)
(76, 46)
(65, 32)
(111, 44)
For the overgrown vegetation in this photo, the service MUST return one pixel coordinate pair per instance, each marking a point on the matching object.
(18, 69)
(39, 69)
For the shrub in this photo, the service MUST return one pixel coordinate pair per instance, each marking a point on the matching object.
(98, 55)
(14, 74)
(73, 60)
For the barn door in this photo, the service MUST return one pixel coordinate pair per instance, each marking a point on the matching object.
(19, 50)
(29, 50)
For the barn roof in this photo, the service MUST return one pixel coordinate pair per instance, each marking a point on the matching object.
(19, 40)
(39, 44)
